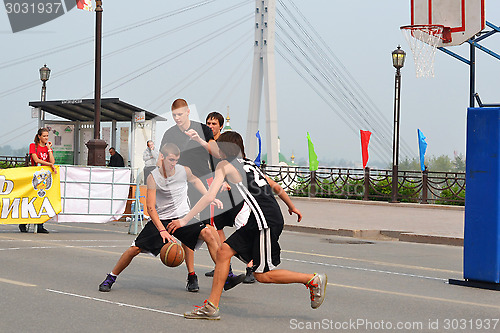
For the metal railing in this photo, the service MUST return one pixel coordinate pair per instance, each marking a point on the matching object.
(370, 184)
(348, 183)
(14, 161)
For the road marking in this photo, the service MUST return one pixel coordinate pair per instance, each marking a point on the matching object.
(374, 262)
(430, 298)
(367, 269)
(17, 283)
(115, 303)
(57, 247)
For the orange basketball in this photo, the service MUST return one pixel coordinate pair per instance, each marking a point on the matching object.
(172, 254)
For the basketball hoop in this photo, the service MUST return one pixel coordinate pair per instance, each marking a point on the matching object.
(423, 41)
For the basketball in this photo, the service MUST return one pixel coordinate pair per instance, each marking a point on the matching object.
(172, 254)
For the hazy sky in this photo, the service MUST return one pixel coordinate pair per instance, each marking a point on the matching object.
(217, 74)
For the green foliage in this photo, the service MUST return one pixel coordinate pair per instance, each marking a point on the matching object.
(409, 165)
(442, 163)
(449, 195)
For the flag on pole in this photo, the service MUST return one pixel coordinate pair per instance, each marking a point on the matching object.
(365, 140)
(84, 4)
(313, 158)
(257, 159)
(422, 147)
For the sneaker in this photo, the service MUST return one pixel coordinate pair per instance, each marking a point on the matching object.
(105, 286)
(23, 228)
(207, 311)
(42, 230)
(233, 280)
(212, 272)
(317, 287)
(249, 278)
(192, 283)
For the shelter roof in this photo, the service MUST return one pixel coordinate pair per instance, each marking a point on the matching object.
(83, 109)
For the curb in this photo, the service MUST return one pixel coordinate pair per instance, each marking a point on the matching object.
(382, 235)
(381, 203)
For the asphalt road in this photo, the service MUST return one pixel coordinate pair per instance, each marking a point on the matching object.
(49, 283)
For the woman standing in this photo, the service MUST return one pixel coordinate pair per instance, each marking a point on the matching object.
(41, 154)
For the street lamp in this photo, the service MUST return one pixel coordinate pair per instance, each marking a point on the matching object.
(96, 146)
(44, 77)
(398, 61)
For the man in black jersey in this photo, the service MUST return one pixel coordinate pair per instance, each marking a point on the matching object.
(196, 142)
(232, 210)
(257, 240)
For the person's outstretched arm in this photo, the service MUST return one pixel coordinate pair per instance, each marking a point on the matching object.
(205, 200)
(198, 184)
(210, 146)
(286, 199)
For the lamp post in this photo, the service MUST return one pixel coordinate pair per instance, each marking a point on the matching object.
(398, 61)
(96, 146)
(44, 77)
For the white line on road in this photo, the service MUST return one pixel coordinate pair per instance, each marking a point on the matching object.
(115, 303)
(367, 269)
(56, 247)
(66, 240)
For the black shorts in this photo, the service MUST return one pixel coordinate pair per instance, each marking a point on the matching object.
(261, 246)
(226, 218)
(149, 240)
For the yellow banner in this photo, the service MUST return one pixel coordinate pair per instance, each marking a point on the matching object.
(29, 195)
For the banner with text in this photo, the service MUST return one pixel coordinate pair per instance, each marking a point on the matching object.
(29, 195)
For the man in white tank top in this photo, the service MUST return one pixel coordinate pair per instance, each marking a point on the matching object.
(167, 200)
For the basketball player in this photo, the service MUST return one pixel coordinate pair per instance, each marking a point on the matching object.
(196, 143)
(232, 210)
(166, 200)
(257, 240)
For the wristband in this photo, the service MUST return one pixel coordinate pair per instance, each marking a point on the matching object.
(163, 231)
(50, 150)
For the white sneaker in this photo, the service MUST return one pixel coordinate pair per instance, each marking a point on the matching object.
(207, 311)
(317, 287)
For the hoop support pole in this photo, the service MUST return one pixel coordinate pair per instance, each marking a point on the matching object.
(453, 54)
(484, 49)
(492, 26)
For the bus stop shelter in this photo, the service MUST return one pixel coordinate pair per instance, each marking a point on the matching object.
(70, 134)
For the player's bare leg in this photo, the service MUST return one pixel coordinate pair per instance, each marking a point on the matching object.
(125, 259)
(316, 283)
(211, 238)
(192, 279)
(122, 263)
(224, 255)
(283, 276)
(222, 238)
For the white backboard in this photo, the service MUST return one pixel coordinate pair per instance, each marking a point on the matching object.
(465, 18)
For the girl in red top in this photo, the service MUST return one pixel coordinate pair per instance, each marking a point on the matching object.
(41, 154)
(41, 151)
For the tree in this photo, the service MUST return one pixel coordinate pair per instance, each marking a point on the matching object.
(409, 165)
(459, 163)
(441, 163)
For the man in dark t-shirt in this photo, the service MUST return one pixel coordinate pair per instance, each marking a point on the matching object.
(196, 143)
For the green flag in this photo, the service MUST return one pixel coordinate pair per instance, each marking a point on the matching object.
(313, 158)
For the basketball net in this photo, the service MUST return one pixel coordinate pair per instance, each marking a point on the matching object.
(423, 41)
